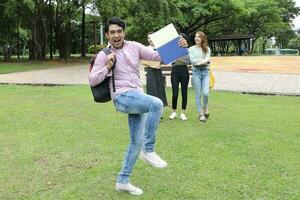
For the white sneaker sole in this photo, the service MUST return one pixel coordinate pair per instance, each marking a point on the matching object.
(152, 164)
(130, 192)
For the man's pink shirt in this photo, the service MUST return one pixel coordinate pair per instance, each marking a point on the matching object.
(127, 74)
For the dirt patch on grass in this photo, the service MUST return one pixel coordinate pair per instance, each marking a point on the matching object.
(261, 64)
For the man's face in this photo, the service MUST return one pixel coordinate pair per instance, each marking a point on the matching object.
(115, 36)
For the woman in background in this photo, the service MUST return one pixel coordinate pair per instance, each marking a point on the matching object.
(200, 59)
(180, 74)
(155, 85)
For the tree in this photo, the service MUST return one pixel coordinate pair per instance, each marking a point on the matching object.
(51, 26)
(294, 43)
(82, 4)
(207, 12)
(33, 15)
(109, 8)
(8, 27)
(149, 16)
(47, 25)
(188, 17)
(267, 18)
(65, 15)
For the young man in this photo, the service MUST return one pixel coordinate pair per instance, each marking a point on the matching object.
(144, 111)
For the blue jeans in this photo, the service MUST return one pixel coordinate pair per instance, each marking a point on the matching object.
(144, 112)
(200, 81)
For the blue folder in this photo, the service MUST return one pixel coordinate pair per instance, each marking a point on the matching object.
(171, 51)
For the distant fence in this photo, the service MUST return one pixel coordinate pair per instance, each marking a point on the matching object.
(282, 51)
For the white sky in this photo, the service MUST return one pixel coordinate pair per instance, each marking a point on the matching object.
(296, 21)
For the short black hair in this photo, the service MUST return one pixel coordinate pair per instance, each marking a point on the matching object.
(114, 20)
(186, 37)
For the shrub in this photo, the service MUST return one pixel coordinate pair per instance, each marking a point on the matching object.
(91, 48)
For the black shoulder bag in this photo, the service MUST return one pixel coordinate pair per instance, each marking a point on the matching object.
(101, 91)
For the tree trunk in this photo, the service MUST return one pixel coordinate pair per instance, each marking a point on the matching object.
(59, 33)
(32, 47)
(95, 38)
(68, 34)
(83, 30)
(24, 48)
(50, 29)
(38, 42)
(7, 52)
(18, 40)
(252, 47)
(264, 46)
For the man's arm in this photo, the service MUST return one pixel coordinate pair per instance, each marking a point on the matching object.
(151, 64)
(101, 69)
(147, 53)
(206, 60)
(196, 60)
(193, 57)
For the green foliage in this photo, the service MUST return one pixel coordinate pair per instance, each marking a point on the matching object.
(99, 47)
(262, 19)
(283, 36)
(7, 23)
(109, 8)
(56, 143)
(149, 16)
(295, 43)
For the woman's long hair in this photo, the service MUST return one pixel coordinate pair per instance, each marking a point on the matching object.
(203, 41)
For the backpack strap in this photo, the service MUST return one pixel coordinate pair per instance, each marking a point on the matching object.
(92, 61)
(107, 51)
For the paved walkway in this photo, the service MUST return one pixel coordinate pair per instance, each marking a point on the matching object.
(260, 83)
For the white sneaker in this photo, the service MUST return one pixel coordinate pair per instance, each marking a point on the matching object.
(183, 117)
(173, 115)
(202, 118)
(128, 188)
(153, 159)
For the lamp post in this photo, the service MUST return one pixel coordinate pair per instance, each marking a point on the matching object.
(101, 33)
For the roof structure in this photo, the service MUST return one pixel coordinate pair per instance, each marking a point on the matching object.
(241, 43)
(231, 37)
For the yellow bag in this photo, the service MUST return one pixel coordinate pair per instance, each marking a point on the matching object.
(211, 79)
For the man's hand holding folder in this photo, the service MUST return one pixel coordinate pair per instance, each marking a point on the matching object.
(169, 44)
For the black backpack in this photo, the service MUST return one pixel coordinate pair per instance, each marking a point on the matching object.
(101, 91)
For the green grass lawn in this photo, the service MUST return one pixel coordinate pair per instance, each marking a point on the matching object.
(24, 65)
(56, 143)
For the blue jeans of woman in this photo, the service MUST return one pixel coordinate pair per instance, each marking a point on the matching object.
(144, 112)
(200, 81)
